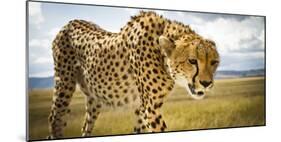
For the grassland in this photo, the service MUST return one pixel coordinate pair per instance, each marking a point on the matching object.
(232, 103)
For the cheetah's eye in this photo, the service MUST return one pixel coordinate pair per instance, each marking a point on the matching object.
(214, 62)
(192, 61)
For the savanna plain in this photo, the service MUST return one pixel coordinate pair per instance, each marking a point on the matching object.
(231, 103)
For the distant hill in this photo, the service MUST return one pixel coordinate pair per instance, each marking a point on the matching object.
(235, 74)
(40, 82)
(48, 82)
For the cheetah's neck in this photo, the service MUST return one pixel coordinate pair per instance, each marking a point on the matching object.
(174, 30)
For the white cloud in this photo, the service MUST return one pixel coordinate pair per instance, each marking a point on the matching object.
(53, 32)
(40, 47)
(261, 36)
(40, 57)
(192, 18)
(228, 33)
(239, 42)
(233, 35)
(43, 73)
(40, 43)
(35, 14)
(43, 60)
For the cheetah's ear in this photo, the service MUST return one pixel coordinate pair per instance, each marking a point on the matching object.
(167, 46)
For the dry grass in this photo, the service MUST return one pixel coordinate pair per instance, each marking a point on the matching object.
(232, 103)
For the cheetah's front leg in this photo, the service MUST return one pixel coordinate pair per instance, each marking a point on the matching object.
(141, 124)
(155, 120)
(149, 118)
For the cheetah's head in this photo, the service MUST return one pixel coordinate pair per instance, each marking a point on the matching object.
(192, 62)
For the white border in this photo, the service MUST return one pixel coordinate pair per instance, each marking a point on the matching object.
(12, 54)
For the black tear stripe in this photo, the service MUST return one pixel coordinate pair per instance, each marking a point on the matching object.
(197, 71)
(197, 68)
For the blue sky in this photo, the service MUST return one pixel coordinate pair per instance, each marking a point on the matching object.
(239, 39)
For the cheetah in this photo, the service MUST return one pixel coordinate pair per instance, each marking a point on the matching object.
(141, 62)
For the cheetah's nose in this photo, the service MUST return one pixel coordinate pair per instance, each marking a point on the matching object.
(205, 83)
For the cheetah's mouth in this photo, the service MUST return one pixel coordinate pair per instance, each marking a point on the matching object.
(190, 88)
(196, 95)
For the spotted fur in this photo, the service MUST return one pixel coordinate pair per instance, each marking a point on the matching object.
(138, 63)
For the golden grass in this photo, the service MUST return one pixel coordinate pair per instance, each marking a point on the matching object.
(232, 103)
